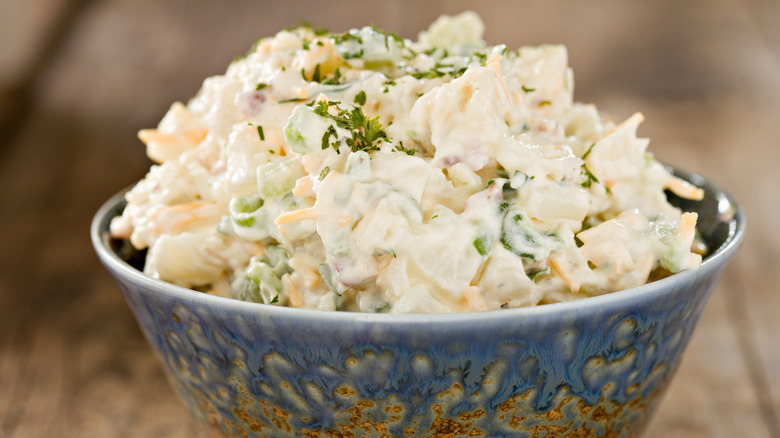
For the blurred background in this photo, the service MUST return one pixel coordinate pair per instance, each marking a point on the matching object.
(78, 79)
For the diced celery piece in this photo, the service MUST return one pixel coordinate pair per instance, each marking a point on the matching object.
(304, 130)
(261, 282)
(278, 177)
(482, 243)
(277, 257)
(263, 275)
(326, 275)
(246, 213)
(519, 236)
(246, 204)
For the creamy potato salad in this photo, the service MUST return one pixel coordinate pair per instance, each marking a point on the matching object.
(364, 172)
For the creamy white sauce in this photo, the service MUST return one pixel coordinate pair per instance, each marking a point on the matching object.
(363, 172)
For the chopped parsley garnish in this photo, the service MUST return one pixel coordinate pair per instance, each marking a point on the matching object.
(393, 36)
(315, 77)
(527, 89)
(330, 132)
(544, 103)
(382, 308)
(261, 85)
(387, 84)
(400, 148)
(260, 133)
(365, 132)
(482, 245)
(358, 54)
(360, 98)
(430, 74)
(590, 178)
(585, 155)
(339, 38)
(534, 273)
(295, 99)
(333, 80)
(275, 299)
(324, 173)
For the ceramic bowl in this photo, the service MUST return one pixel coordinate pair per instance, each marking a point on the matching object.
(593, 367)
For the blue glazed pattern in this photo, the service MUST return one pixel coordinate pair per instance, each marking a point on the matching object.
(595, 367)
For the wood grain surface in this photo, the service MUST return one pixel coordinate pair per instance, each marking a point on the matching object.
(79, 78)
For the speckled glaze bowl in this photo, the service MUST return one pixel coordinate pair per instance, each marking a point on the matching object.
(594, 367)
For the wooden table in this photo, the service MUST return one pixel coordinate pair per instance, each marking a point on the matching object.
(79, 78)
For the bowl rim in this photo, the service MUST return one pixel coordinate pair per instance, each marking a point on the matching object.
(117, 266)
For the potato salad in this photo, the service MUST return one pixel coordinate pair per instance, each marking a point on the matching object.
(361, 171)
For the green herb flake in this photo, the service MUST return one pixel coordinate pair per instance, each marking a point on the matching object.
(544, 103)
(315, 77)
(527, 89)
(535, 273)
(365, 131)
(275, 299)
(400, 148)
(296, 99)
(334, 80)
(360, 98)
(590, 178)
(430, 74)
(324, 173)
(585, 155)
(382, 308)
(481, 245)
(330, 132)
(260, 133)
(261, 85)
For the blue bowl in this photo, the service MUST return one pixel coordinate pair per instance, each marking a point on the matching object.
(593, 367)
